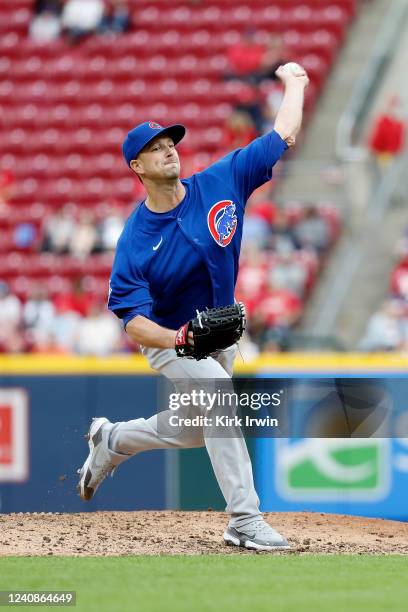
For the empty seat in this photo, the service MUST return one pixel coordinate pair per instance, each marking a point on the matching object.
(64, 110)
(16, 20)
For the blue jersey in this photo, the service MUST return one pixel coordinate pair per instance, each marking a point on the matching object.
(168, 265)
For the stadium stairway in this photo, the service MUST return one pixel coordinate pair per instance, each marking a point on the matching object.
(371, 283)
(319, 144)
(320, 140)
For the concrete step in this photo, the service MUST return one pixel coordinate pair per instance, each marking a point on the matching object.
(319, 141)
(371, 282)
(373, 248)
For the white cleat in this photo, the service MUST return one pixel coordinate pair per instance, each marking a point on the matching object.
(256, 536)
(98, 464)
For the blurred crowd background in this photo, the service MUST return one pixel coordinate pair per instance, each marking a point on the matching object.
(75, 75)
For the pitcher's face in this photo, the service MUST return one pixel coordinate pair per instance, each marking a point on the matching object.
(159, 160)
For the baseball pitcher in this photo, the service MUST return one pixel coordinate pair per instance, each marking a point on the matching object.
(172, 284)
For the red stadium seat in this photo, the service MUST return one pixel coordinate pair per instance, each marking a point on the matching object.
(274, 18)
(334, 18)
(12, 264)
(64, 110)
(97, 265)
(15, 20)
(21, 286)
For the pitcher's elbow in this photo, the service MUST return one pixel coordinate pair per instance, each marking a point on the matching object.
(286, 133)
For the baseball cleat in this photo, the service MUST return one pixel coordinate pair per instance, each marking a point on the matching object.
(98, 464)
(256, 536)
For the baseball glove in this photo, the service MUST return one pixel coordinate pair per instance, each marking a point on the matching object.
(213, 329)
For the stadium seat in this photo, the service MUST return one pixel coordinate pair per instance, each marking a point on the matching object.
(64, 111)
(16, 20)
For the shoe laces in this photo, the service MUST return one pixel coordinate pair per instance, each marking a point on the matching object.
(262, 527)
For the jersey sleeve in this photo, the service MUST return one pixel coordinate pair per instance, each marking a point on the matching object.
(251, 166)
(129, 293)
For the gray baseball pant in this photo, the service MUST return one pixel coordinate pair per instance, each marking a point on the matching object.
(229, 455)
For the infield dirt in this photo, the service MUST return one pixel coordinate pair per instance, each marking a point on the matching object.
(189, 533)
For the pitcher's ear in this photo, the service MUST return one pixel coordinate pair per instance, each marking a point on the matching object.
(135, 165)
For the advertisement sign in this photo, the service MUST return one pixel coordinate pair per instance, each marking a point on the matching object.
(365, 477)
(326, 469)
(364, 472)
(13, 435)
(51, 443)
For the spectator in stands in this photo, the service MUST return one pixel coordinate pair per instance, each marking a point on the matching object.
(262, 205)
(77, 300)
(116, 18)
(244, 57)
(46, 343)
(45, 27)
(250, 103)
(276, 312)
(84, 239)
(12, 342)
(279, 308)
(388, 133)
(272, 57)
(24, 236)
(401, 249)
(312, 231)
(81, 17)
(267, 339)
(99, 333)
(53, 6)
(38, 311)
(281, 239)
(399, 279)
(256, 327)
(10, 317)
(386, 140)
(399, 275)
(58, 231)
(255, 65)
(38, 320)
(276, 340)
(287, 273)
(268, 109)
(259, 219)
(255, 233)
(387, 330)
(10, 308)
(65, 328)
(7, 186)
(110, 229)
(252, 277)
(70, 307)
(239, 130)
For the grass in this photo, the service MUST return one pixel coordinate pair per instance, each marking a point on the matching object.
(217, 583)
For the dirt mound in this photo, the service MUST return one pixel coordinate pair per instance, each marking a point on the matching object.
(189, 533)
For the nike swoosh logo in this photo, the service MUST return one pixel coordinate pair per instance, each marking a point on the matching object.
(157, 245)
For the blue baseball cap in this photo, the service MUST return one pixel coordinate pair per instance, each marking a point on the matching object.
(142, 134)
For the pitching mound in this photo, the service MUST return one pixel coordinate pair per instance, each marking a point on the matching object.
(188, 533)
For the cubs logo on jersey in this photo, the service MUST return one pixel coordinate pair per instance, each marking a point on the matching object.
(222, 222)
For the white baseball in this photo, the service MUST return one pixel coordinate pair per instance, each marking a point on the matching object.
(294, 68)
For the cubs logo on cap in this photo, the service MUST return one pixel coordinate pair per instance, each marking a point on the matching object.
(222, 222)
